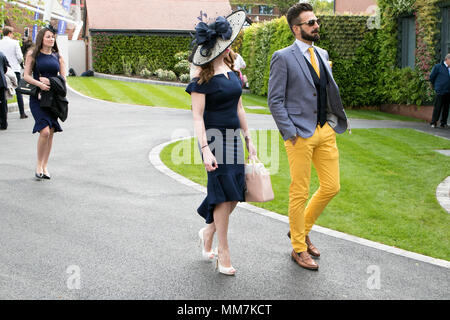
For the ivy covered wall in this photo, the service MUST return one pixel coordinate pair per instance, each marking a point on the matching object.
(365, 60)
(427, 16)
(351, 46)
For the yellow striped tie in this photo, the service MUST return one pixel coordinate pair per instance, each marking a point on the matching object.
(314, 62)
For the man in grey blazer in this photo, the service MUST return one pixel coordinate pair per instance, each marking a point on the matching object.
(305, 103)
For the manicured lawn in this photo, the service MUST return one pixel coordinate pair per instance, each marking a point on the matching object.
(146, 94)
(377, 115)
(176, 97)
(388, 185)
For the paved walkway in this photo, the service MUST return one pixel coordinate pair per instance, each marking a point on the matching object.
(131, 231)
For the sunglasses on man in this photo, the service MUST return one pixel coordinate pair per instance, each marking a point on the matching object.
(310, 23)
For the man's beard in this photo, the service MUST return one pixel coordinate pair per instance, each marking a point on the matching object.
(308, 37)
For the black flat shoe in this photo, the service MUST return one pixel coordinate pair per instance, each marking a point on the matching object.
(23, 116)
(44, 176)
(39, 176)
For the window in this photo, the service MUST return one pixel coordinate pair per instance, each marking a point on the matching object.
(408, 42)
(247, 9)
(265, 10)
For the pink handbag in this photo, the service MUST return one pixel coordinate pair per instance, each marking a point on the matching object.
(259, 186)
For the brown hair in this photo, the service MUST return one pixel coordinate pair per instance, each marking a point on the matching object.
(229, 59)
(38, 45)
(294, 13)
(7, 30)
(206, 73)
(207, 70)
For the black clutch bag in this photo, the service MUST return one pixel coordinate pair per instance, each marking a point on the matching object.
(27, 88)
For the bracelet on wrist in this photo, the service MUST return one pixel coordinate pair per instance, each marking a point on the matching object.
(205, 146)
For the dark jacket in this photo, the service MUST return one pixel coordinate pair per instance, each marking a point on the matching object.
(440, 79)
(54, 100)
(3, 68)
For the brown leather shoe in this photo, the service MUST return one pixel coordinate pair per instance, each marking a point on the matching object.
(312, 250)
(304, 260)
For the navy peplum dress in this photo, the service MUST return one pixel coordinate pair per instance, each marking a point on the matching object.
(47, 65)
(227, 182)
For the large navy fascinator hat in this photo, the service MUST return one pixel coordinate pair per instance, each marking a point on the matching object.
(214, 38)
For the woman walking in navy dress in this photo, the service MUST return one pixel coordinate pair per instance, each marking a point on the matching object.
(219, 118)
(41, 64)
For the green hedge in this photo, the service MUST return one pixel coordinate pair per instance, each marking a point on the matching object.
(363, 76)
(351, 47)
(110, 50)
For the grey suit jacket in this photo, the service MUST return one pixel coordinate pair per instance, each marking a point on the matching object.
(292, 96)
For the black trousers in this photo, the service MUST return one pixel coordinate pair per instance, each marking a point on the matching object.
(19, 96)
(441, 105)
(3, 109)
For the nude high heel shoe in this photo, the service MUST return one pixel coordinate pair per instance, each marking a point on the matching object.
(227, 271)
(209, 256)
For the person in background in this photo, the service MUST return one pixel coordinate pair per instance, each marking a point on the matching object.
(27, 44)
(440, 80)
(240, 64)
(11, 48)
(41, 64)
(3, 85)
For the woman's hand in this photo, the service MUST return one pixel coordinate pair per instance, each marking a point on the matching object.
(251, 150)
(44, 87)
(44, 80)
(209, 160)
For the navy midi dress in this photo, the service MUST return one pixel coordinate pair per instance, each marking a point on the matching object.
(47, 65)
(227, 182)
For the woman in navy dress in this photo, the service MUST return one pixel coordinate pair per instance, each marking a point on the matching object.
(219, 118)
(41, 64)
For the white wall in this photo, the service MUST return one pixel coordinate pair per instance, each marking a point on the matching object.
(62, 42)
(77, 56)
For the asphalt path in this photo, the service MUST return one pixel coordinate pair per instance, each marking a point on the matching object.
(110, 226)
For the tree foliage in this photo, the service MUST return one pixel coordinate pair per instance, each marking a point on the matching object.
(283, 5)
(320, 6)
(12, 14)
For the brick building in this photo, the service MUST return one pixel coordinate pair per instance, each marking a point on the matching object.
(257, 12)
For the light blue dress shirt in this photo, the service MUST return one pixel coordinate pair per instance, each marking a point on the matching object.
(304, 49)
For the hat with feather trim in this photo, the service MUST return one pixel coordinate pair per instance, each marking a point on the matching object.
(214, 38)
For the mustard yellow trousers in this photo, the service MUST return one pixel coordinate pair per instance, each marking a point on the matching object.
(322, 151)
